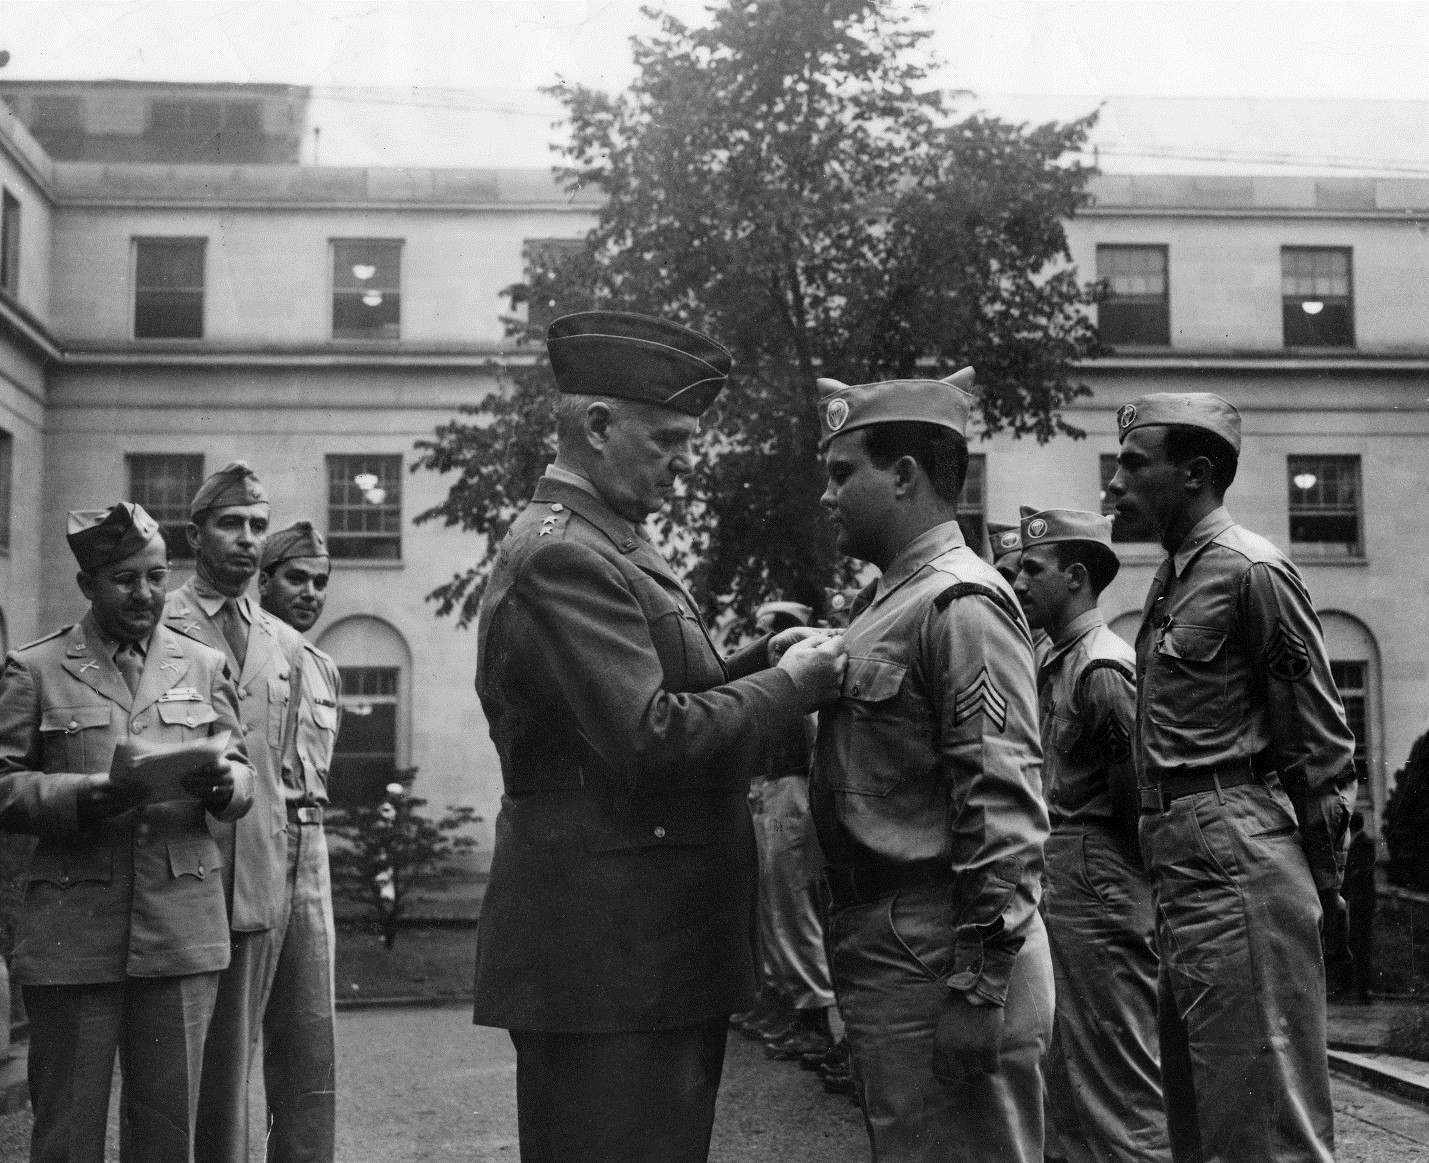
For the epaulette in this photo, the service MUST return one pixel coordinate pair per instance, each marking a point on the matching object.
(554, 519)
(63, 630)
(1107, 664)
(970, 589)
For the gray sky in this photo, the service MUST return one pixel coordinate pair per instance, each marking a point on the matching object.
(455, 82)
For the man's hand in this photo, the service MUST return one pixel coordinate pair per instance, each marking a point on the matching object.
(1335, 937)
(99, 798)
(817, 667)
(781, 642)
(968, 1040)
(213, 785)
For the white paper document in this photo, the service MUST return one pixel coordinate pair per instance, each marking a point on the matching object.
(160, 768)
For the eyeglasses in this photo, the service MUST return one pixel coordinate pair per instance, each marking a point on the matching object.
(128, 582)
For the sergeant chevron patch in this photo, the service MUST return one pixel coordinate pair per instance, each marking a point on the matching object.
(1286, 655)
(1115, 739)
(981, 695)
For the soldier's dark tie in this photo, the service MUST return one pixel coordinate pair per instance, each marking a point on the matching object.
(235, 632)
(131, 665)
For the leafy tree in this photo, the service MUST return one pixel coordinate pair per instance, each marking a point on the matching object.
(386, 851)
(1406, 821)
(785, 180)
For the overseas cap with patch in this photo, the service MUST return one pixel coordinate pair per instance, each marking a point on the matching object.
(100, 537)
(946, 403)
(1061, 525)
(637, 357)
(299, 539)
(1003, 539)
(233, 484)
(1192, 409)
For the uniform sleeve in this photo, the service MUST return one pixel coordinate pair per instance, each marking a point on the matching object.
(582, 637)
(992, 754)
(1108, 708)
(1312, 747)
(32, 801)
(224, 697)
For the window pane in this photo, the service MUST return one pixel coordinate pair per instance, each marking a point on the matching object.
(1107, 464)
(1136, 309)
(1324, 496)
(241, 118)
(10, 243)
(1317, 306)
(1350, 679)
(164, 485)
(365, 507)
(364, 760)
(168, 288)
(366, 282)
(7, 469)
(1327, 323)
(169, 266)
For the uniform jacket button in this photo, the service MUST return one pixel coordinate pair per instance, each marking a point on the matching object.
(659, 833)
(74, 724)
(557, 507)
(242, 694)
(855, 689)
(138, 725)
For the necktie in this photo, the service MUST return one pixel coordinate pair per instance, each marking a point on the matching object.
(131, 665)
(235, 633)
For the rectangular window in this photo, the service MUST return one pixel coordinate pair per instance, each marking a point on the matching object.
(1316, 298)
(364, 507)
(168, 288)
(364, 760)
(366, 288)
(1350, 680)
(9, 242)
(972, 503)
(1136, 311)
(1325, 506)
(1108, 470)
(7, 471)
(164, 485)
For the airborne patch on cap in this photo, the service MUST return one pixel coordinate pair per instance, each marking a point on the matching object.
(837, 414)
(1008, 540)
(1286, 655)
(1037, 528)
(1127, 414)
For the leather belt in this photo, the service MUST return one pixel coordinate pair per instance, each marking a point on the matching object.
(1173, 786)
(305, 814)
(860, 884)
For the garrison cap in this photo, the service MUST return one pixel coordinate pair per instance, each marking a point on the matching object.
(299, 539)
(1003, 539)
(233, 484)
(796, 610)
(637, 357)
(1064, 525)
(946, 403)
(1192, 409)
(100, 537)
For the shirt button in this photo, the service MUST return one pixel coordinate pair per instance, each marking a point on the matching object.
(557, 507)
(137, 725)
(242, 694)
(74, 724)
(64, 878)
(854, 691)
(659, 833)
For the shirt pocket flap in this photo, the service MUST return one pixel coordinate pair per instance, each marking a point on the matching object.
(872, 680)
(1191, 643)
(278, 689)
(186, 714)
(64, 867)
(694, 832)
(325, 717)
(1065, 733)
(196, 858)
(71, 719)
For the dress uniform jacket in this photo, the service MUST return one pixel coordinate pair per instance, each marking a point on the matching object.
(255, 848)
(137, 894)
(623, 877)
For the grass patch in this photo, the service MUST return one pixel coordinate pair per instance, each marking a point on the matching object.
(423, 963)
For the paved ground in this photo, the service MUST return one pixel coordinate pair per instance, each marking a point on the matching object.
(426, 1086)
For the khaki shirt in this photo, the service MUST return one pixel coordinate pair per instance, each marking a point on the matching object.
(933, 752)
(1086, 690)
(1231, 665)
(307, 751)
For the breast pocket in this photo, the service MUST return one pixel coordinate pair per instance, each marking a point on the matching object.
(317, 734)
(75, 738)
(686, 658)
(192, 719)
(1187, 678)
(879, 727)
(278, 692)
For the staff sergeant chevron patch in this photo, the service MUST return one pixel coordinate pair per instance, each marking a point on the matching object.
(981, 695)
(1115, 739)
(1286, 655)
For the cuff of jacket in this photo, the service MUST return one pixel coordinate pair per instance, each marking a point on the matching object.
(983, 957)
(58, 814)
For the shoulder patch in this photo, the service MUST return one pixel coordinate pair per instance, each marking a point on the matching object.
(1286, 655)
(981, 696)
(970, 589)
(63, 630)
(1107, 664)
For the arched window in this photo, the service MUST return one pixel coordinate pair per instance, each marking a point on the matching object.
(375, 738)
(1354, 663)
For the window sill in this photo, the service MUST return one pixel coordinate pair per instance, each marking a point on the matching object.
(1333, 561)
(367, 563)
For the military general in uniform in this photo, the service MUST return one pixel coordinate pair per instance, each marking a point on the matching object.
(927, 796)
(299, 1072)
(1243, 758)
(123, 931)
(1103, 1069)
(614, 939)
(228, 520)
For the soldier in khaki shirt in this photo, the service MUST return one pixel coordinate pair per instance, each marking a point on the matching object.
(927, 797)
(1006, 552)
(1103, 1070)
(1243, 757)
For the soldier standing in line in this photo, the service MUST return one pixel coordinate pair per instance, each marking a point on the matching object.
(228, 520)
(123, 931)
(1103, 1069)
(1360, 896)
(1243, 757)
(1006, 551)
(927, 797)
(299, 1073)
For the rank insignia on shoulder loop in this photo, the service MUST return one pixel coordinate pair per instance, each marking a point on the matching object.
(981, 695)
(1286, 655)
(180, 694)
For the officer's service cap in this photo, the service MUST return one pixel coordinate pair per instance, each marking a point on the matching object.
(796, 610)
(100, 537)
(1050, 526)
(299, 539)
(1191, 409)
(637, 357)
(233, 484)
(946, 403)
(1003, 539)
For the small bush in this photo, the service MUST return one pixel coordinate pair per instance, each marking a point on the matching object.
(1410, 1038)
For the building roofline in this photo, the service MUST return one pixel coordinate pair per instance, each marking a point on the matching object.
(266, 88)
